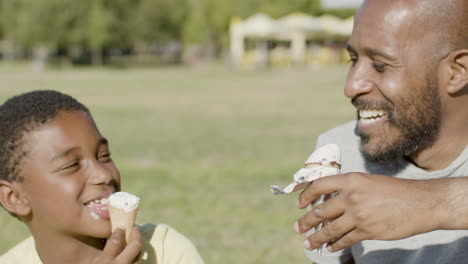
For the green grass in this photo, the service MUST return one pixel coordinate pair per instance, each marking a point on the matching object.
(201, 147)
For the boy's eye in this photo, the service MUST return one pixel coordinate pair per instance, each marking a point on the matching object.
(105, 157)
(378, 66)
(71, 165)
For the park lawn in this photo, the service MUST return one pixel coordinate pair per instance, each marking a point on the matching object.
(201, 146)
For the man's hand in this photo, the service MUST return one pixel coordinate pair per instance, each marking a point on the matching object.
(369, 207)
(117, 251)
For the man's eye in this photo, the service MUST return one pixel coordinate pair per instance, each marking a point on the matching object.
(378, 66)
(353, 60)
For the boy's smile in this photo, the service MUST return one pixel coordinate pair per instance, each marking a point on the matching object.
(68, 176)
(98, 208)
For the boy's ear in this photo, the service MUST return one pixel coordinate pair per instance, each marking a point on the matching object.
(458, 77)
(12, 198)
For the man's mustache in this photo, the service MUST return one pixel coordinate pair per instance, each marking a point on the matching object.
(362, 104)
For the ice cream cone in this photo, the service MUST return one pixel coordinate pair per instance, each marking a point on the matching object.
(125, 220)
(123, 208)
(324, 161)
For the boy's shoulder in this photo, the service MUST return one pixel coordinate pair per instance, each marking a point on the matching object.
(23, 252)
(163, 244)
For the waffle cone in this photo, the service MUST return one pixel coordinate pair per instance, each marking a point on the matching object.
(121, 218)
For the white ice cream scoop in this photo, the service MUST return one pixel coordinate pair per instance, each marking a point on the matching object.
(324, 161)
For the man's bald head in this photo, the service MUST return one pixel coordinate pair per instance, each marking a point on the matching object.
(444, 20)
(449, 18)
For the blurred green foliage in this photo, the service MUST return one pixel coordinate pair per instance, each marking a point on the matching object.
(130, 26)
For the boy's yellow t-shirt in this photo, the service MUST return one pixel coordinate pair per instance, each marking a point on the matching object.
(162, 245)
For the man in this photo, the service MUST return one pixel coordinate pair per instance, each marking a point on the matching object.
(404, 160)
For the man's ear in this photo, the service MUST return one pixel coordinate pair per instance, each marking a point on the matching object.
(458, 73)
(12, 198)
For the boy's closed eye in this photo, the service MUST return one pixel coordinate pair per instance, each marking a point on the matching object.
(75, 164)
(71, 166)
(105, 157)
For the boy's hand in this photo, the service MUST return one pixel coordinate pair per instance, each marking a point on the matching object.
(117, 251)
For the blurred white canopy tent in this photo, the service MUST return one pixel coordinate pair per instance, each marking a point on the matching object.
(261, 26)
(300, 27)
(302, 22)
(296, 28)
(339, 4)
(336, 26)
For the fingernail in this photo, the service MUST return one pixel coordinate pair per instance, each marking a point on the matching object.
(307, 244)
(329, 248)
(296, 227)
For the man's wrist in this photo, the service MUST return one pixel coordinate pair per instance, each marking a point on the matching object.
(451, 211)
(441, 214)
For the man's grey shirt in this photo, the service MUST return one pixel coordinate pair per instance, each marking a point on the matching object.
(441, 246)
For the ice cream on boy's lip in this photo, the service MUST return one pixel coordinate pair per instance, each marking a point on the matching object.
(98, 208)
(123, 208)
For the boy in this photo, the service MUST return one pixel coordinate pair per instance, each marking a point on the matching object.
(55, 168)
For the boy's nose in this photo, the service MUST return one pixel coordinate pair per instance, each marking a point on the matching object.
(99, 174)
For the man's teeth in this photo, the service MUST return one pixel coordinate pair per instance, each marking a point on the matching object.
(371, 114)
(99, 201)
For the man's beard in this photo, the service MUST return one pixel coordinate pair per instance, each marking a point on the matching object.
(417, 118)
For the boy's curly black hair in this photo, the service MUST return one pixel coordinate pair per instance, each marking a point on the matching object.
(22, 114)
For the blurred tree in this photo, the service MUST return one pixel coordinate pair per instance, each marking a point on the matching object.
(1, 18)
(205, 29)
(8, 21)
(77, 26)
(195, 22)
(245, 8)
(42, 26)
(159, 24)
(219, 14)
(279, 8)
(122, 30)
(99, 29)
(159, 20)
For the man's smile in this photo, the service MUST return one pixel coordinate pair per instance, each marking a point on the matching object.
(372, 117)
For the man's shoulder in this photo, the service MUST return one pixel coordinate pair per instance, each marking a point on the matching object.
(346, 138)
(23, 252)
(345, 133)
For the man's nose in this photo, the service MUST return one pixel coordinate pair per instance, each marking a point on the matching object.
(99, 174)
(358, 82)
